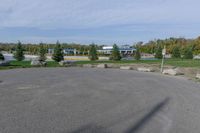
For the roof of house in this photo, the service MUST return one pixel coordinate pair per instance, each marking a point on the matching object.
(121, 49)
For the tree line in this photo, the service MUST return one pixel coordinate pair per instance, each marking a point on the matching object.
(34, 48)
(58, 54)
(172, 45)
(177, 47)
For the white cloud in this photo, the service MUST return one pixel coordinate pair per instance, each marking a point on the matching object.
(104, 21)
(75, 39)
(95, 13)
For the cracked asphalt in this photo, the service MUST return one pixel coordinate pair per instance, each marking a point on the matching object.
(91, 100)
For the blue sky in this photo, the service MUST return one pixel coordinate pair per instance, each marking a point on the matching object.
(98, 21)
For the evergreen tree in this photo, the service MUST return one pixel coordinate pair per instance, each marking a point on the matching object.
(137, 54)
(93, 53)
(42, 52)
(115, 53)
(188, 54)
(82, 50)
(1, 57)
(176, 52)
(58, 54)
(19, 52)
(158, 54)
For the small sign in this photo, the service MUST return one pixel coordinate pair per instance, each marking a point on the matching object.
(164, 51)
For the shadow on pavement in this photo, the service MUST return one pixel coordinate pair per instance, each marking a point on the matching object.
(141, 123)
(135, 128)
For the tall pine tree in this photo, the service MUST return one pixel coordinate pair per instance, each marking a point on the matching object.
(1, 56)
(93, 53)
(115, 53)
(158, 54)
(58, 54)
(42, 52)
(176, 52)
(188, 54)
(19, 52)
(137, 55)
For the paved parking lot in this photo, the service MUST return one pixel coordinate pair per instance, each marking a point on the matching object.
(85, 100)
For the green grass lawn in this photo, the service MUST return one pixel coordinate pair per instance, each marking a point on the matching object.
(183, 63)
(20, 63)
(120, 62)
(26, 64)
(172, 62)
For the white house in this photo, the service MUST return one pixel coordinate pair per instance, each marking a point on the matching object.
(124, 50)
(70, 51)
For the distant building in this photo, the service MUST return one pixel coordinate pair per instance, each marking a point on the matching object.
(68, 51)
(124, 50)
(50, 51)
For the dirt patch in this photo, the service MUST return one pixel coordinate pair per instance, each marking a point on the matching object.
(189, 72)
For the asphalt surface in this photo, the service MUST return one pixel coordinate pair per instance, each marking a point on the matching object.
(85, 100)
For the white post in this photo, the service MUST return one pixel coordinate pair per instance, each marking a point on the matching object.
(75, 52)
(162, 64)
